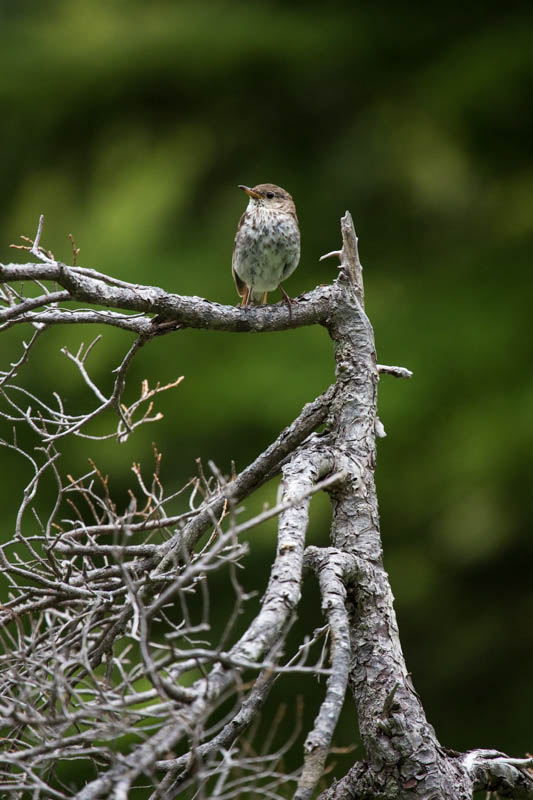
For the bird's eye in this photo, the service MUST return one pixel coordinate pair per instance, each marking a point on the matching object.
(270, 195)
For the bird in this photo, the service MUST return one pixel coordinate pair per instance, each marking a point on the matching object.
(267, 244)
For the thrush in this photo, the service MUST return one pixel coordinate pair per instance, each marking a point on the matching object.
(267, 243)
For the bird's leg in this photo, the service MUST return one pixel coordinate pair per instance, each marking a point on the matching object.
(264, 298)
(287, 299)
(246, 296)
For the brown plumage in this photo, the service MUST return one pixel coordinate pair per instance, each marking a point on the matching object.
(267, 243)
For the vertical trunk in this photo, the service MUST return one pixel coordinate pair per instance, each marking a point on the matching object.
(404, 758)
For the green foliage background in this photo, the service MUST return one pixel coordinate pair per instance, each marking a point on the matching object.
(129, 124)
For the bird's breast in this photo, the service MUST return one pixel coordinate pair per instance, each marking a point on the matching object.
(267, 248)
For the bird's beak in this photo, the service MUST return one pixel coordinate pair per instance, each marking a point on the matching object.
(250, 192)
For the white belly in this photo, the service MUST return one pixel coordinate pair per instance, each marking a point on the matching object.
(267, 253)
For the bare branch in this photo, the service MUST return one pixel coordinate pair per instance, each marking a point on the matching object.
(90, 286)
(51, 424)
(20, 309)
(110, 653)
(255, 475)
(334, 570)
(492, 771)
(36, 250)
(396, 372)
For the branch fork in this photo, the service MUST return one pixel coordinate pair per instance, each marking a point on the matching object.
(77, 627)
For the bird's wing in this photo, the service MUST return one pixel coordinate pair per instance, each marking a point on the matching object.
(239, 284)
(291, 265)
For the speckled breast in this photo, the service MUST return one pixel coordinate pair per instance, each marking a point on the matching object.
(267, 249)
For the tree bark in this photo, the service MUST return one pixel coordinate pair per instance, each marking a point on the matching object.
(80, 614)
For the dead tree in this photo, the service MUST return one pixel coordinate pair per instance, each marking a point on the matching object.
(87, 584)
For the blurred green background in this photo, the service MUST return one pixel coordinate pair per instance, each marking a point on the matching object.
(129, 125)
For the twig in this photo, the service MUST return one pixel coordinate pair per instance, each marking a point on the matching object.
(256, 474)
(75, 250)
(396, 372)
(35, 250)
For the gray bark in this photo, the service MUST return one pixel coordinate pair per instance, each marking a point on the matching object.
(77, 613)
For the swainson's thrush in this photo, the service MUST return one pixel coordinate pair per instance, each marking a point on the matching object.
(267, 243)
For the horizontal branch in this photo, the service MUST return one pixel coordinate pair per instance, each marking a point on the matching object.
(136, 323)
(33, 302)
(396, 372)
(90, 286)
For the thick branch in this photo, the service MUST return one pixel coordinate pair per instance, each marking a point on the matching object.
(334, 570)
(401, 746)
(265, 633)
(180, 769)
(89, 607)
(256, 474)
(89, 286)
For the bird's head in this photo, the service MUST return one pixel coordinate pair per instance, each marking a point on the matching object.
(270, 196)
